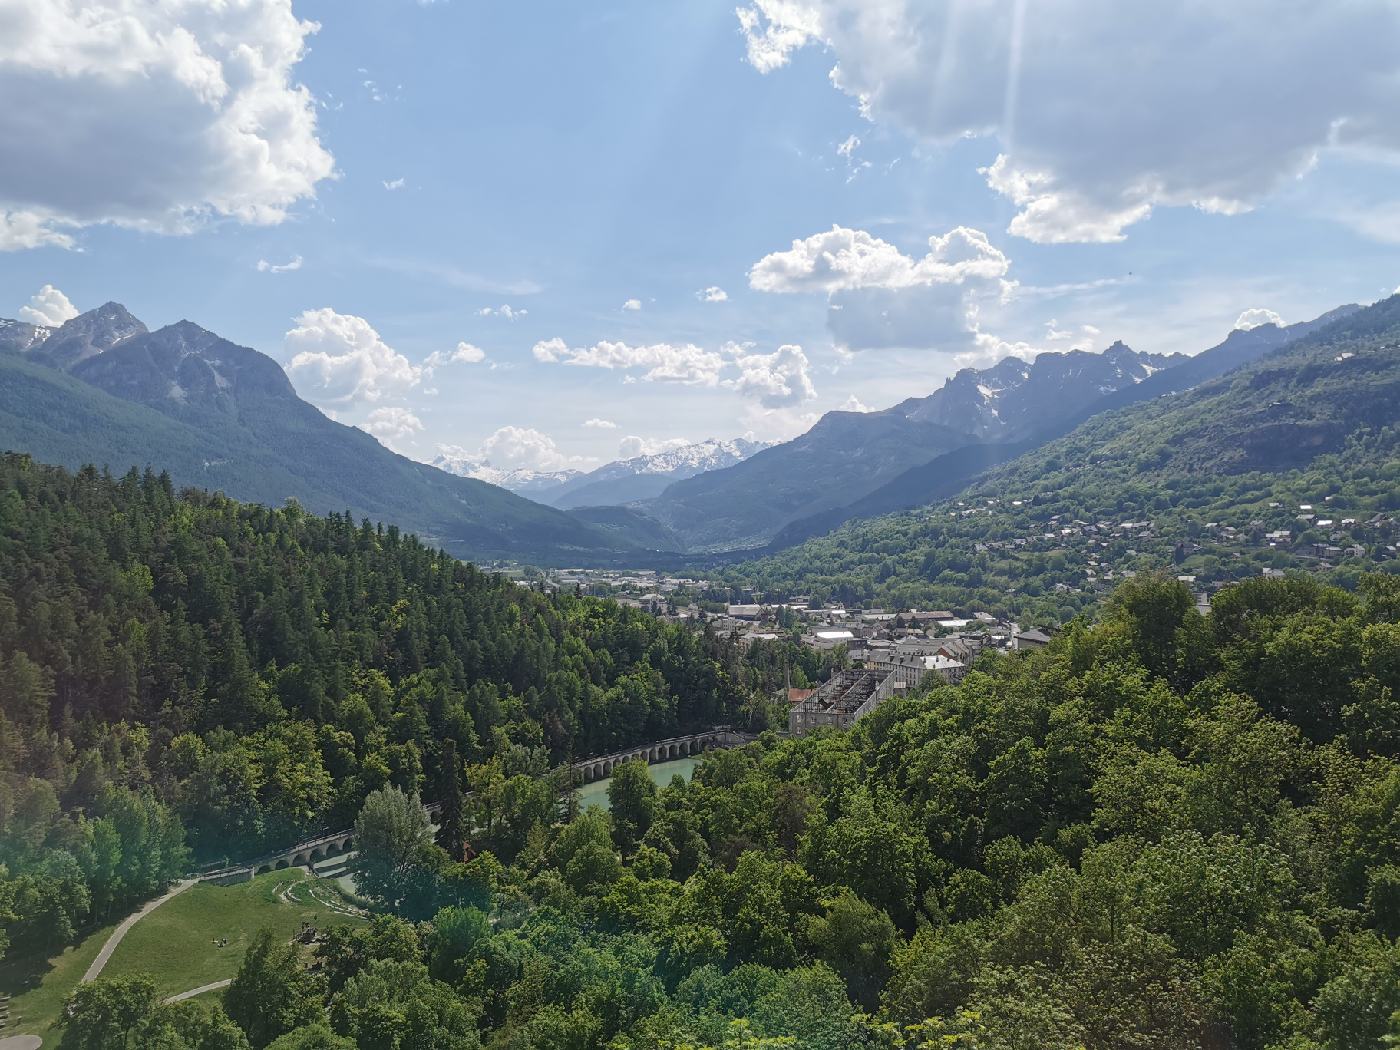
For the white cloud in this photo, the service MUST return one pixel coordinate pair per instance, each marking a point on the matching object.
(941, 317)
(855, 404)
(848, 149)
(880, 298)
(510, 313)
(155, 116)
(845, 260)
(599, 424)
(712, 294)
(1101, 112)
(657, 363)
(48, 307)
(394, 184)
(287, 267)
(1256, 318)
(339, 359)
(777, 380)
(632, 304)
(465, 354)
(633, 446)
(523, 448)
(393, 425)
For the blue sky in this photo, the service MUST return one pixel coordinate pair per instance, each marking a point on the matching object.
(449, 159)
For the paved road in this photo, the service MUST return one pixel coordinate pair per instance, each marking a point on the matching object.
(121, 931)
(188, 995)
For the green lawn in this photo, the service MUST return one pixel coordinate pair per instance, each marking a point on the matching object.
(40, 985)
(175, 943)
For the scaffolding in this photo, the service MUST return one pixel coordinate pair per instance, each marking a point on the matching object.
(842, 701)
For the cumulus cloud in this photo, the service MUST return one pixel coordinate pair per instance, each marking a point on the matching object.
(48, 307)
(712, 294)
(465, 354)
(855, 404)
(290, 265)
(1101, 112)
(1257, 317)
(880, 298)
(657, 363)
(632, 304)
(154, 116)
(339, 359)
(633, 446)
(394, 184)
(393, 425)
(523, 448)
(599, 424)
(510, 313)
(777, 380)
(844, 260)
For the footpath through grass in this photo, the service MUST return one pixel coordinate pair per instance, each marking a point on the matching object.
(177, 944)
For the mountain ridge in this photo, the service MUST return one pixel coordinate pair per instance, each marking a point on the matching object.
(847, 455)
(106, 390)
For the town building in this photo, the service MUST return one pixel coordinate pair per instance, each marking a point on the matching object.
(842, 701)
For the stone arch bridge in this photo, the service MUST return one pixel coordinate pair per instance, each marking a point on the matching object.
(586, 771)
(601, 766)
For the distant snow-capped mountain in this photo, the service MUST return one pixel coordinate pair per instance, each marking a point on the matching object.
(614, 484)
(643, 477)
(1014, 398)
(521, 480)
(684, 459)
(20, 336)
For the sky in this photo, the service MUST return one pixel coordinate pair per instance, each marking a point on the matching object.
(546, 234)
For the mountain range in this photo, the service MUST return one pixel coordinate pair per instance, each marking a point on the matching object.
(1203, 476)
(103, 389)
(617, 483)
(852, 465)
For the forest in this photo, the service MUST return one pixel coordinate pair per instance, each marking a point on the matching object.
(186, 680)
(1165, 830)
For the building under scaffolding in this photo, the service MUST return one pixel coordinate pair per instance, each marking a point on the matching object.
(847, 697)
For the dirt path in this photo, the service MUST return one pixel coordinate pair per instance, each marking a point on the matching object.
(193, 992)
(121, 931)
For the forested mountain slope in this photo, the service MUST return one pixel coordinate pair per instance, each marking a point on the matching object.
(1048, 418)
(854, 465)
(102, 389)
(262, 670)
(1201, 477)
(1165, 832)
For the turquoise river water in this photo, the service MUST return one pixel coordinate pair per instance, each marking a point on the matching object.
(595, 795)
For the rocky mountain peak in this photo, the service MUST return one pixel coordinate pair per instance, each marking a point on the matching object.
(185, 367)
(88, 335)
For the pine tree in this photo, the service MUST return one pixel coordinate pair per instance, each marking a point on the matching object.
(452, 833)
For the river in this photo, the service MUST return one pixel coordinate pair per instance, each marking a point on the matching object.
(595, 795)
